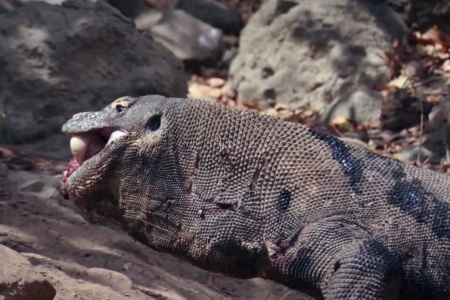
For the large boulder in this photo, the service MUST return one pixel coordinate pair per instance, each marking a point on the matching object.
(56, 60)
(307, 53)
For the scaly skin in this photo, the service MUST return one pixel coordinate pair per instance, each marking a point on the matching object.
(252, 196)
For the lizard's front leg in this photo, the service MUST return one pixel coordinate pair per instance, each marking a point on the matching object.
(364, 271)
(336, 260)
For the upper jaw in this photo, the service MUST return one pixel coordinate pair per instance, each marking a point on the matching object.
(91, 132)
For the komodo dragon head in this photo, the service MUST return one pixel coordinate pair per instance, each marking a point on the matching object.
(121, 168)
(133, 166)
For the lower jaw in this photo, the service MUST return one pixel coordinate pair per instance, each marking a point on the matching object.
(71, 166)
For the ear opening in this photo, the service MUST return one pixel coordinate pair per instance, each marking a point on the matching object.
(154, 123)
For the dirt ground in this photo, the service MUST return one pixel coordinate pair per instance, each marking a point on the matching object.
(85, 259)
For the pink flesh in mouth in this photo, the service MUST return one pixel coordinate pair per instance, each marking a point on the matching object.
(71, 166)
(85, 145)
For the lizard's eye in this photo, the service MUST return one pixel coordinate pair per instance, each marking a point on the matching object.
(119, 108)
(154, 123)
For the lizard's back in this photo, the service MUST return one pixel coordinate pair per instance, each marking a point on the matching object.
(305, 179)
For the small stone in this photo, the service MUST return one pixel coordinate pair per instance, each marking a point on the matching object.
(127, 266)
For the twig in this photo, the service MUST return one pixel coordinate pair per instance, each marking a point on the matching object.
(413, 87)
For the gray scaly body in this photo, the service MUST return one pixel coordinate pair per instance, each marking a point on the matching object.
(249, 195)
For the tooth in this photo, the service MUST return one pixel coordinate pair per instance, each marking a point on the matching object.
(115, 135)
(78, 146)
(84, 146)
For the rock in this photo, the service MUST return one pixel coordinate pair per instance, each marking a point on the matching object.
(8, 5)
(359, 106)
(43, 186)
(411, 153)
(118, 281)
(424, 14)
(440, 112)
(401, 110)
(431, 148)
(57, 60)
(214, 13)
(187, 37)
(129, 8)
(305, 54)
(19, 280)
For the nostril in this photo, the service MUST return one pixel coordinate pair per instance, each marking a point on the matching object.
(79, 115)
(337, 265)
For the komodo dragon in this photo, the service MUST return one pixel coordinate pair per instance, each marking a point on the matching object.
(249, 195)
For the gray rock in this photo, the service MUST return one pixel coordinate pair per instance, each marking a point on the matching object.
(19, 281)
(424, 14)
(359, 105)
(402, 109)
(56, 60)
(8, 5)
(187, 37)
(214, 13)
(430, 148)
(307, 53)
(129, 8)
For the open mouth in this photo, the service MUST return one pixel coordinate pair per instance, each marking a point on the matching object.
(86, 145)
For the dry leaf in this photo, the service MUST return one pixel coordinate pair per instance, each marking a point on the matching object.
(398, 82)
(432, 34)
(341, 123)
(446, 66)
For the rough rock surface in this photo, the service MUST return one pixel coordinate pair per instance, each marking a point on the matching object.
(56, 60)
(308, 53)
(19, 280)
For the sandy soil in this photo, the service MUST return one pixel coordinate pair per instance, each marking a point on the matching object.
(85, 259)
